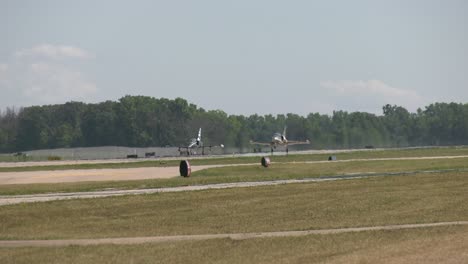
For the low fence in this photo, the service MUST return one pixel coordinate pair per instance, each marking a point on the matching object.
(115, 152)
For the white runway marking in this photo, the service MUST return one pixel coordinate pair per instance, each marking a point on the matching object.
(15, 199)
(234, 236)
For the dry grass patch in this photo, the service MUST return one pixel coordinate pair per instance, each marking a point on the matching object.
(424, 245)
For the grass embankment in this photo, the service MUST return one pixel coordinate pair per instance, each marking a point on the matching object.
(248, 173)
(369, 154)
(348, 203)
(426, 245)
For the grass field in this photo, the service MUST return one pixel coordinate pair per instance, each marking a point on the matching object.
(425, 245)
(347, 203)
(249, 173)
(408, 199)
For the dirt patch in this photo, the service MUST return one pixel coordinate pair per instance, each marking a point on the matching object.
(60, 176)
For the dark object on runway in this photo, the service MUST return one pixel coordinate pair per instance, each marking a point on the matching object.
(332, 157)
(265, 162)
(150, 154)
(132, 156)
(184, 168)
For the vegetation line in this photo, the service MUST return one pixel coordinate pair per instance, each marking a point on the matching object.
(142, 121)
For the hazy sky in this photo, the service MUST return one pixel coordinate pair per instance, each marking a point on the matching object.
(242, 56)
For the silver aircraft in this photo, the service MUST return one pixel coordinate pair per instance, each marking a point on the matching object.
(279, 139)
(196, 143)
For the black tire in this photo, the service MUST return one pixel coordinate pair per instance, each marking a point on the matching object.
(184, 168)
(265, 162)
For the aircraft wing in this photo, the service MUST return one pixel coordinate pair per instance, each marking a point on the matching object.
(298, 142)
(260, 143)
(215, 146)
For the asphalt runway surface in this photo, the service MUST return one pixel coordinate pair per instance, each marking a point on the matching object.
(101, 161)
(233, 236)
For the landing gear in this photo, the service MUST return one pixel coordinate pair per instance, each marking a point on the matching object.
(184, 151)
(272, 147)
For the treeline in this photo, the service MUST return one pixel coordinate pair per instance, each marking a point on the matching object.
(140, 121)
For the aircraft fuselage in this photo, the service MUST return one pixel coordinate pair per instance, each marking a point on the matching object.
(279, 139)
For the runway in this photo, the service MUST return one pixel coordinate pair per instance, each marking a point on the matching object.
(101, 161)
(194, 157)
(233, 236)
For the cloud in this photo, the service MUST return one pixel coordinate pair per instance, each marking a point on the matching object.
(54, 52)
(35, 76)
(53, 83)
(371, 94)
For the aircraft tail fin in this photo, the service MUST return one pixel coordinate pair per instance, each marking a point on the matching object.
(199, 135)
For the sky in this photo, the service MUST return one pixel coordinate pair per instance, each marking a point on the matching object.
(242, 57)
